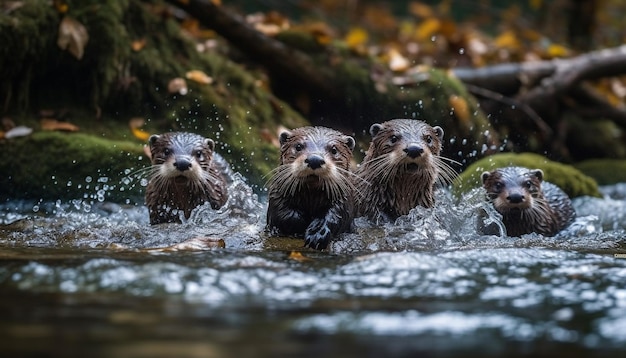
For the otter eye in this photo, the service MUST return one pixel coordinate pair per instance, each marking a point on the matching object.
(498, 186)
(528, 184)
(394, 138)
(299, 147)
(429, 139)
(198, 153)
(167, 151)
(334, 150)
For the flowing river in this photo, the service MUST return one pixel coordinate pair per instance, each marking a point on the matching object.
(83, 278)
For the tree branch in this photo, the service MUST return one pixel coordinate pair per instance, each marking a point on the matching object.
(270, 52)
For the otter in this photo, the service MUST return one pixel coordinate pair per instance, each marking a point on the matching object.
(186, 173)
(400, 169)
(311, 192)
(526, 202)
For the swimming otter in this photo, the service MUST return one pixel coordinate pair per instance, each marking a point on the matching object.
(400, 169)
(186, 173)
(526, 202)
(311, 193)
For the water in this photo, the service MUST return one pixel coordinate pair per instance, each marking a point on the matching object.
(96, 279)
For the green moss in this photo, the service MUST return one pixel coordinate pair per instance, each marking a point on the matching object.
(604, 171)
(53, 165)
(568, 178)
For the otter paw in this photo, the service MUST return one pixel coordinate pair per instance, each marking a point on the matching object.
(317, 235)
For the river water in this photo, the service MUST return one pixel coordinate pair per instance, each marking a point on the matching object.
(79, 278)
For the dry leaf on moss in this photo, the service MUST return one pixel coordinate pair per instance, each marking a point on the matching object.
(199, 77)
(73, 37)
(177, 85)
(49, 124)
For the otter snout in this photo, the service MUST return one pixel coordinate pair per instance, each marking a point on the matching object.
(515, 198)
(182, 164)
(314, 161)
(413, 150)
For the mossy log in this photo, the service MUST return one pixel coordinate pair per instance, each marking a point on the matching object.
(135, 49)
(567, 177)
(53, 165)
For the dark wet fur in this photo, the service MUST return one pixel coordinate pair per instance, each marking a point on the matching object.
(391, 186)
(165, 197)
(550, 209)
(318, 206)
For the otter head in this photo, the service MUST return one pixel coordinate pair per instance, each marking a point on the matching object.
(181, 156)
(512, 188)
(406, 142)
(316, 152)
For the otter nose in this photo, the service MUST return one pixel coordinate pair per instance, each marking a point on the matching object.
(413, 151)
(182, 164)
(515, 198)
(314, 161)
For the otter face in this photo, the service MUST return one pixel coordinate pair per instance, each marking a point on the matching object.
(316, 152)
(410, 143)
(181, 156)
(511, 189)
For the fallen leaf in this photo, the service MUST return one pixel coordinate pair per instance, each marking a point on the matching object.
(49, 124)
(138, 45)
(19, 131)
(397, 62)
(427, 29)
(140, 134)
(177, 85)
(356, 37)
(199, 77)
(460, 108)
(297, 256)
(73, 37)
(556, 50)
(508, 39)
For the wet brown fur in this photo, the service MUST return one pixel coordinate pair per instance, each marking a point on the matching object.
(311, 193)
(400, 169)
(184, 175)
(526, 202)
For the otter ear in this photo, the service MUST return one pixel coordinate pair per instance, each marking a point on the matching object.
(484, 176)
(349, 142)
(438, 132)
(153, 138)
(538, 173)
(210, 143)
(375, 128)
(284, 136)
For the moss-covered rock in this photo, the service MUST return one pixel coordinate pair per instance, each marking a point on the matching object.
(604, 171)
(54, 165)
(568, 178)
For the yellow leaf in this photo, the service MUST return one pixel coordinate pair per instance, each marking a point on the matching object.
(555, 50)
(140, 134)
(356, 37)
(460, 108)
(135, 123)
(427, 28)
(61, 6)
(199, 77)
(508, 39)
(73, 37)
(297, 255)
